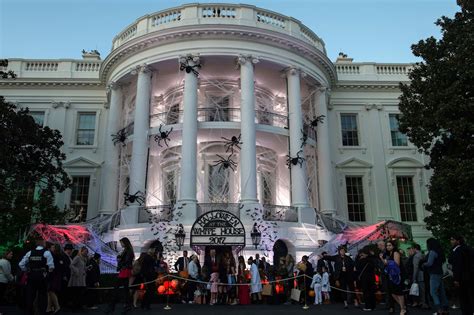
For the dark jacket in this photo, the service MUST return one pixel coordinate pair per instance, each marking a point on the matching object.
(324, 263)
(93, 273)
(434, 265)
(179, 264)
(462, 261)
(148, 267)
(125, 260)
(339, 263)
(365, 269)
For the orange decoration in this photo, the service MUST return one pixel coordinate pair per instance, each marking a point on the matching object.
(311, 293)
(161, 289)
(174, 284)
(142, 286)
(279, 289)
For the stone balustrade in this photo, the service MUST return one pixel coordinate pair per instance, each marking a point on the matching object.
(59, 68)
(232, 14)
(348, 71)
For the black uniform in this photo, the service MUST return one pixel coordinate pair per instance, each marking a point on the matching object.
(37, 284)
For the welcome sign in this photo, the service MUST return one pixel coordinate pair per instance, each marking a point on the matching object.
(218, 228)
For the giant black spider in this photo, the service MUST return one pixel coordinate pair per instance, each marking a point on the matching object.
(225, 163)
(137, 197)
(231, 143)
(184, 65)
(304, 138)
(295, 160)
(163, 135)
(316, 120)
(120, 137)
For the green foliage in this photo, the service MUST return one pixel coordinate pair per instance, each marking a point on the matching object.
(31, 171)
(438, 116)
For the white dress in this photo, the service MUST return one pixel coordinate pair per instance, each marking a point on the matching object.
(325, 283)
(255, 283)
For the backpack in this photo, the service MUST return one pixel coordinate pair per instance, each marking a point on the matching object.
(136, 268)
(393, 271)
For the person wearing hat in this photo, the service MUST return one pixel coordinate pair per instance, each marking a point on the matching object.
(38, 263)
(65, 295)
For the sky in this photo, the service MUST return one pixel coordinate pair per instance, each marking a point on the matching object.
(366, 30)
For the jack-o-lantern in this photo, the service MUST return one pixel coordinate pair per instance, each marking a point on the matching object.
(161, 289)
(311, 293)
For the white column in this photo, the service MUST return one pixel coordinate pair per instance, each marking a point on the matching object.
(299, 194)
(110, 168)
(187, 189)
(248, 162)
(325, 173)
(138, 164)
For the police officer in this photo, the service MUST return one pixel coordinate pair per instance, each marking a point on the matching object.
(37, 263)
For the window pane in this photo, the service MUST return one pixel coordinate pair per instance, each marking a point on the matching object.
(79, 195)
(38, 116)
(355, 198)
(406, 198)
(349, 131)
(398, 139)
(85, 129)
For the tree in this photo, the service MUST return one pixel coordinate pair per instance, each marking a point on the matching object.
(437, 109)
(6, 74)
(31, 171)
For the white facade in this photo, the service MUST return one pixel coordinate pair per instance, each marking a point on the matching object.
(263, 76)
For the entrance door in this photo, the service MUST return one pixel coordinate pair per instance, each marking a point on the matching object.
(221, 251)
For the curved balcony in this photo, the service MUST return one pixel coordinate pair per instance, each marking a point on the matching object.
(222, 14)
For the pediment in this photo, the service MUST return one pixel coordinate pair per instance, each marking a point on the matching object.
(404, 162)
(81, 162)
(353, 163)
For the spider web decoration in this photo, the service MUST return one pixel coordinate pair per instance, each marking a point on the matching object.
(267, 228)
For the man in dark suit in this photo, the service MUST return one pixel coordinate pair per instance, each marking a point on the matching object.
(264, 266)
(182, 263)
(324, 263)
(462, 261)
(212, 262)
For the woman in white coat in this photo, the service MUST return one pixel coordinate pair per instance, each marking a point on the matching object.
(255, 283)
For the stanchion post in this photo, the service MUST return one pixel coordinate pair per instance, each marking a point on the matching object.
(168, 307)
(305, 307)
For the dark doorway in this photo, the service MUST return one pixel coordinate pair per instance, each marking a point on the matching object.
(279, 250)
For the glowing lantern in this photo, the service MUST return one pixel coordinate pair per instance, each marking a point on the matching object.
(174, 284)
(161, 289)
(142, 286)
(166, 284)
(279, 289)
(311, 293)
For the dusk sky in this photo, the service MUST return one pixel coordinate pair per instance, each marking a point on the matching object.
(366, 30)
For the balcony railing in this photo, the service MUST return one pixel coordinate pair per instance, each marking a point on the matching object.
(207, 207)
(230, 14)
(158, 213)
(280, 213)
(220, 115)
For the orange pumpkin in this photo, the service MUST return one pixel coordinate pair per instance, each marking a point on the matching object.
(161, 289)
(174, 284)
(311, 293)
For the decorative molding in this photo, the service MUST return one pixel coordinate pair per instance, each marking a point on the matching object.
(106, 105)
(353, 162)
(65, 104)
(404, 162)
(201, 32)
(243, 59)
(50, 84)
(143, 68)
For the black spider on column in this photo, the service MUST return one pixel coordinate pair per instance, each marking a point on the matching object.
(225, 163)
(163, 135)
(231, 143)
(295, 160)
(137, 197)
(316, 120)
(184, 65)
(120, 137)
(304, 138)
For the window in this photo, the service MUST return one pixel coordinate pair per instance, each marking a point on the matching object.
(173, 115)
(355, 198)
(398, 139)
(219, 108)
(79, 194)
(218, 187)
(350, 135)
(85, 129)
(267, 188)
(38, 117)
(406, 198)
(170, 187)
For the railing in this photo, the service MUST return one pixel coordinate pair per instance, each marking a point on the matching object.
(166, 17)
(218, 12)
(87, 66)
(207, 207)
(280, 213)
(155, 213)
(348, 69)
(393, 69)
(234, 14)
(42, 66)
(271, 119)
(372, 71)
(218, 114)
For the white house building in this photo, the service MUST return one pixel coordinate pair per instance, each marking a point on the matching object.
(233, 109)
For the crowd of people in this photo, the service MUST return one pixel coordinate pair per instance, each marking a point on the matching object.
(53, 278)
